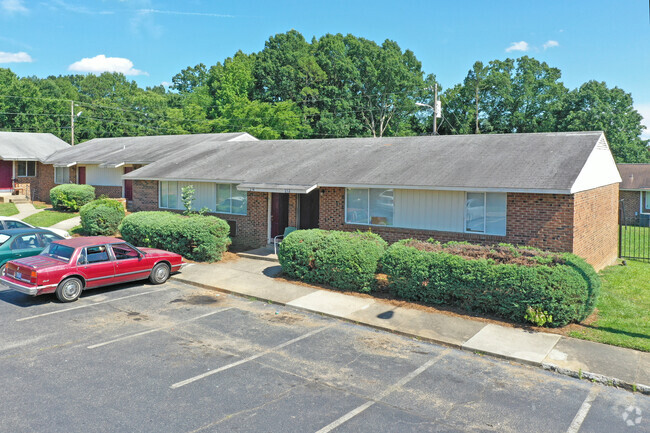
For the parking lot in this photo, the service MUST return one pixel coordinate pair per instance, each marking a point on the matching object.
(176, 358)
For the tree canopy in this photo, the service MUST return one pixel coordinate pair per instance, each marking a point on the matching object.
(334, 86)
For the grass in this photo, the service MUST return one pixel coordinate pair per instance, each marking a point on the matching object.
(48, 218)
(623, 308)
(8, 209)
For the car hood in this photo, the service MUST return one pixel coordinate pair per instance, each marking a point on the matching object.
(154, 252)
(38, 262)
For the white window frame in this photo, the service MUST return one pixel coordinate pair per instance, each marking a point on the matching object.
(484, 232)
(160, 206)
(61, 168)
(367, 211)
(216, 202)
(642, 201)
(26, 169)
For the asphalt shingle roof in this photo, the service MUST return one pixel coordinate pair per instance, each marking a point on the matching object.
(133, 150)
(635, 176)
(22, 146)
(541, 161)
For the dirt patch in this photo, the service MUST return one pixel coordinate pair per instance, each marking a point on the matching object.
(196, 300)
(500, 254)
(384, 346)
(284, 318)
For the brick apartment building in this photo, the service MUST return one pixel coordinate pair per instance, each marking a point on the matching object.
(555, 191)
(635, 193)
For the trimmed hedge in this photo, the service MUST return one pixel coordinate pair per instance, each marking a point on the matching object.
(101, 217)
(71, 196)
(567, 291)
(196, 237)
(343, 260)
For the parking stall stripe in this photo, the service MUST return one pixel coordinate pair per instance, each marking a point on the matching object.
(149, 331)
(245, 360)
(584, 410)
(406, 379)
(90, 305)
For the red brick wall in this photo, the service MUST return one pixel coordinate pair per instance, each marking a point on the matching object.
(539, 220)
(109, 191)
(631, 203)
(38, 187)
(596, 225)
(293, 210)
(251, 228)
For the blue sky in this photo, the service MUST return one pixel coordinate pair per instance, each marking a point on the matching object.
(151, 40)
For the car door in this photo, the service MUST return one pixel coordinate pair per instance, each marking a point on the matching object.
(130, 264)
(97, 266)
(25, 245)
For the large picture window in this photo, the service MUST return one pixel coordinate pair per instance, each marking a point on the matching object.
(645, 201)
(220, 197)
(169, 195)
(230, 200)
(26, 168)
(61, 175)
(485, 213)
(369, 206)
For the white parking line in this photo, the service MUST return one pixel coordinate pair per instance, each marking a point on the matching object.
(91, 305)
(250, 358)
(406, 379)
(584, 410)
(126, 337)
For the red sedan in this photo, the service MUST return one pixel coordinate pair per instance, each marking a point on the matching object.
(69, 266)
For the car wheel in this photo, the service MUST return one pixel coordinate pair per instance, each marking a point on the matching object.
(2, 269)
(69, 289)
(159, 273)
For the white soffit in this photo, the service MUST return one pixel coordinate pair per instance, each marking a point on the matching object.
(599, 169)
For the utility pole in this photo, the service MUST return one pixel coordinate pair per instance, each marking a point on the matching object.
(435, 110)
(72, 123)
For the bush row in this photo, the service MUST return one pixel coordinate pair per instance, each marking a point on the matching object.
(200, 238)
(101, 217)
(565, 292)
(70, 197)
(518, 284)
(344, 260)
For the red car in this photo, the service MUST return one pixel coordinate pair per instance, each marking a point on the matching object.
(68, 266)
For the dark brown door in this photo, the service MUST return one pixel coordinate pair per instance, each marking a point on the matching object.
(309, 209)
(81, 176)
(128, 185)
(279, 213)
(6, 172)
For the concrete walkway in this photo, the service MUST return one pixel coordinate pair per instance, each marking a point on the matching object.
(25, 210)
(68, 224)
(603, 363)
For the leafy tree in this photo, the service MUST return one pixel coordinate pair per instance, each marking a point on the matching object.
(190, 78)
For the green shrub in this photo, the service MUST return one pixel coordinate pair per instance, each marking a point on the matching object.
(101, 217)
(565, 290)
(196, 237)
(71, 196)
(343, 260)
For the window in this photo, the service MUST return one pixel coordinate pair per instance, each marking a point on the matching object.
(170, 195)
(95, 255)
(61, 175)
(25, 242)
(230, 200)
(49, 238)
(124, 251)
(371, 206)
(485, 213)
(645, 201)
(59, 251)
(10, 224)
(26, 168)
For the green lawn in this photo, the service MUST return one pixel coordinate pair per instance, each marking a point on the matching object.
(8, 209)
(48, 218)
(623, 308)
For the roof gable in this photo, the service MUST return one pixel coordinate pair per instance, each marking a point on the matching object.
(29, 146)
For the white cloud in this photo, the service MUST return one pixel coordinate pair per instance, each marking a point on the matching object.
(165, 84)
(644, 110)
(13, 6)
(518, 46)
(101, 63)
(20, 57)
(550, 44)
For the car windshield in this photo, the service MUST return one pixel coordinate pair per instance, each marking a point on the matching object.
(4, 238)
(58, 251)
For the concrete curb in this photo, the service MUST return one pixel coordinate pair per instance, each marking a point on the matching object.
(595, 377)
(582, 375)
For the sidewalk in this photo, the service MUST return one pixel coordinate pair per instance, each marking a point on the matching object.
(578, 358)
(25, 210)
(68, 224)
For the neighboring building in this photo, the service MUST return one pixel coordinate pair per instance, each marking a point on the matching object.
(635, 193)
(555, 191)
(23, 169)
(101, 162)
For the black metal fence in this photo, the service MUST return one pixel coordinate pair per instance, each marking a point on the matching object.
(634, 237)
